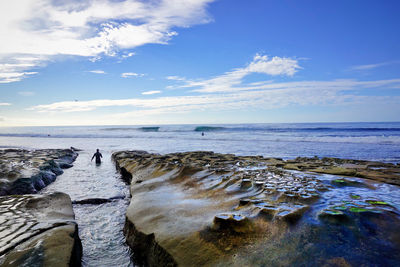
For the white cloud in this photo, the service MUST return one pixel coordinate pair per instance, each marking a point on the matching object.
(5, 104)
(230, 91)
(90, 28)
(372, 66)
(175, 78)
(274, 66)
(97, 71)
(14, 69)
(10, 77)
(131, 74)
(265, 96)
(151, 92)
(26, 93)
(128, 55)
(230, 80)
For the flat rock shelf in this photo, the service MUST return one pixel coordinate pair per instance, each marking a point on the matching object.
(208, 209)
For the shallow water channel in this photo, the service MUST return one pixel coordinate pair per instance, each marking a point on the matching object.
(100, 225)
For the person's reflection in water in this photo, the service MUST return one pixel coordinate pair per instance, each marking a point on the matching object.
(98, 156)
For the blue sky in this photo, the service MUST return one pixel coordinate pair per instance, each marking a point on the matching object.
(198, 61)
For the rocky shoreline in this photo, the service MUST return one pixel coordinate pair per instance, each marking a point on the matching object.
(36, 230)
(28, 171)
(209, 209)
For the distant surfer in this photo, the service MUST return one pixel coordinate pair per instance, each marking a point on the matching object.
(98, 156)
(202, 134)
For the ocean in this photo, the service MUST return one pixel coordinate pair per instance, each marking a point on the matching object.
(378, 141)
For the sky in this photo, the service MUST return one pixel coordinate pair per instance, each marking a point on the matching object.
(116, 62)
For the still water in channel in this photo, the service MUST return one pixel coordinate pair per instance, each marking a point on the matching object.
(100, 226)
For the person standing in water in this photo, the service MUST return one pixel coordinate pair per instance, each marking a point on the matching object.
(98, 156)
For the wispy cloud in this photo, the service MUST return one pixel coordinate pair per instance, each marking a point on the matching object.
(266, 96)
(131, 74)
(227, 82)
(97, 71)
(372, 66)
(128, 55)
(5, 104)
(230, 91)
(26, 93)
(175, 78)
(151, 92)
(44, 29)
(14, 69)
(10, 77)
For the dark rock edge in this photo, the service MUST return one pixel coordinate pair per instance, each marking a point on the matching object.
(47, 174)
(147, 251)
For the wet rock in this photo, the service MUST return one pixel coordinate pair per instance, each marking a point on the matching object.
(200, 188)
(246, 183)
(51, 166)
(231, 222)
(291, 213)
(268, 211)
(333, 215)
(201, 208)
(377, 202)
(97, 201)
(28, 171)
(347, 182)
(38, 230)
(385, 172)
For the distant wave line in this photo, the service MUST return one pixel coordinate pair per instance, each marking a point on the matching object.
(391, 139)
(254, 129)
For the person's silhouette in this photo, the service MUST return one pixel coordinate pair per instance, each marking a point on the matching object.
(98, 156)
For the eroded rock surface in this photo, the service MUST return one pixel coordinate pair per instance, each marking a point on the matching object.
(28, 171)
(384, 172)
(38, 230)
(203, 208)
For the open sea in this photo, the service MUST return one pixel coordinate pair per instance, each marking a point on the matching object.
(368, 141)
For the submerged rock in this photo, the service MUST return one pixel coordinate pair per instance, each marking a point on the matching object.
(347, 182)
(38, 230)
(96, 201)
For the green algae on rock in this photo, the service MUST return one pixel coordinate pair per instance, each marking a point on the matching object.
(347, 182)
(377, 202)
